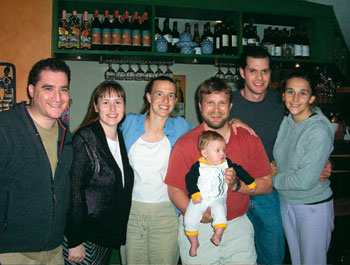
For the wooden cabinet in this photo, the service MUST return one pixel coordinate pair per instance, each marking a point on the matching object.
(317, 19)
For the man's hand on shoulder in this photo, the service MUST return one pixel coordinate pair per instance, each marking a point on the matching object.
(237, 123)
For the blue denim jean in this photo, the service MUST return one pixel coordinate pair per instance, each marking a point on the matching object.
(265, 214)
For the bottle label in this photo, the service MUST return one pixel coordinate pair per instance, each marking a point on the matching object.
(63, 39)
(278, 51)
(168, 37)
(146, 38)
(252, 41)
(306, 50)
(126, 37)
(179, 109)
(116, 39)
(297, 50)
(85, 40)
(233, 40)
(217, 41)
(136, 37)
(106, 36)
(211, 39)
(267, 47)
(174, 41)
(244, 41)
(225, 40)
(74, 38)
(96, 36)
(272, 50)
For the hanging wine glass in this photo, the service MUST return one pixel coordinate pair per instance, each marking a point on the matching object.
(149, 75)
(168, 72)
(130, 74)
(140, 74)
(229, 77)
(236, 76)
(220, 74)
(120, 74)
(110, 73)
(159, 71)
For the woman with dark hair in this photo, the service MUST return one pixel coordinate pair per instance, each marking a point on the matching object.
(101, 181)
(303, 145)
(149, 138)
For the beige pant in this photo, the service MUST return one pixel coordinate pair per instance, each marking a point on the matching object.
(151, 235)
(51, 257)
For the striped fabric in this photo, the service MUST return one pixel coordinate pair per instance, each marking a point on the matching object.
(94, 254)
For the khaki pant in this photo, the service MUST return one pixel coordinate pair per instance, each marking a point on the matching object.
(151, 235)
(236, 246)
(51, 257)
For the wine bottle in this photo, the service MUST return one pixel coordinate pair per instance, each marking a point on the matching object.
(96, 32)
(244, 37)
(167, 34)
(278, 48)
(205, 32)
(305, 45)
(196, 36)
(158, 32)
(176, 38)
(106, 32)
(251, 38)
(210, 35)
(179, 109)
(272, 41)
(217, 39)
(292, 37)
(233, 40)
(126, 32)
(116, 32)
(136, 32)
(146, 33)
(265, 41)
(256, 36)
(224, 47)
(85, 33)
(298, 45)
(63, 32)
(74, 29)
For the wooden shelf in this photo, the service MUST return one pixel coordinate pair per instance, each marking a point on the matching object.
(342, 90)
(317, 19)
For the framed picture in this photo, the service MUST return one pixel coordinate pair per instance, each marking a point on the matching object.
(180, 106)
(7, 86)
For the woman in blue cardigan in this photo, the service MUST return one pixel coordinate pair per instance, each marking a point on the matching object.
(149, 138)
(303, 145)
(101, 181)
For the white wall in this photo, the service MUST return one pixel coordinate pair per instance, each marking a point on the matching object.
(87, 75)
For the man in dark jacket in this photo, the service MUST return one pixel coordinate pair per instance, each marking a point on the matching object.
(35, 158)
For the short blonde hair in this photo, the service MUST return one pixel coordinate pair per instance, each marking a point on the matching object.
(206, 137)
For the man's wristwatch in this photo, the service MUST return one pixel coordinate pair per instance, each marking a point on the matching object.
(238, 185)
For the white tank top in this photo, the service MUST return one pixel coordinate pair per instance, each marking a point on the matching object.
(149, 161)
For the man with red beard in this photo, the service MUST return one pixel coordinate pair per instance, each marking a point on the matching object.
(237, 246)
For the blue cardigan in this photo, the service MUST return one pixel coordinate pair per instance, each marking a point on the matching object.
(134, 126)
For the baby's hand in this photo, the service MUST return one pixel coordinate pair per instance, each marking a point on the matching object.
(197, 200)
(252, 189)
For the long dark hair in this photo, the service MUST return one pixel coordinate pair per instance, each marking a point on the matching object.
(106, 87)
(148, 89)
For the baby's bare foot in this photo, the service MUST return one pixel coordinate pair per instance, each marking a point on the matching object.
(193, 249)
(216, 238)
